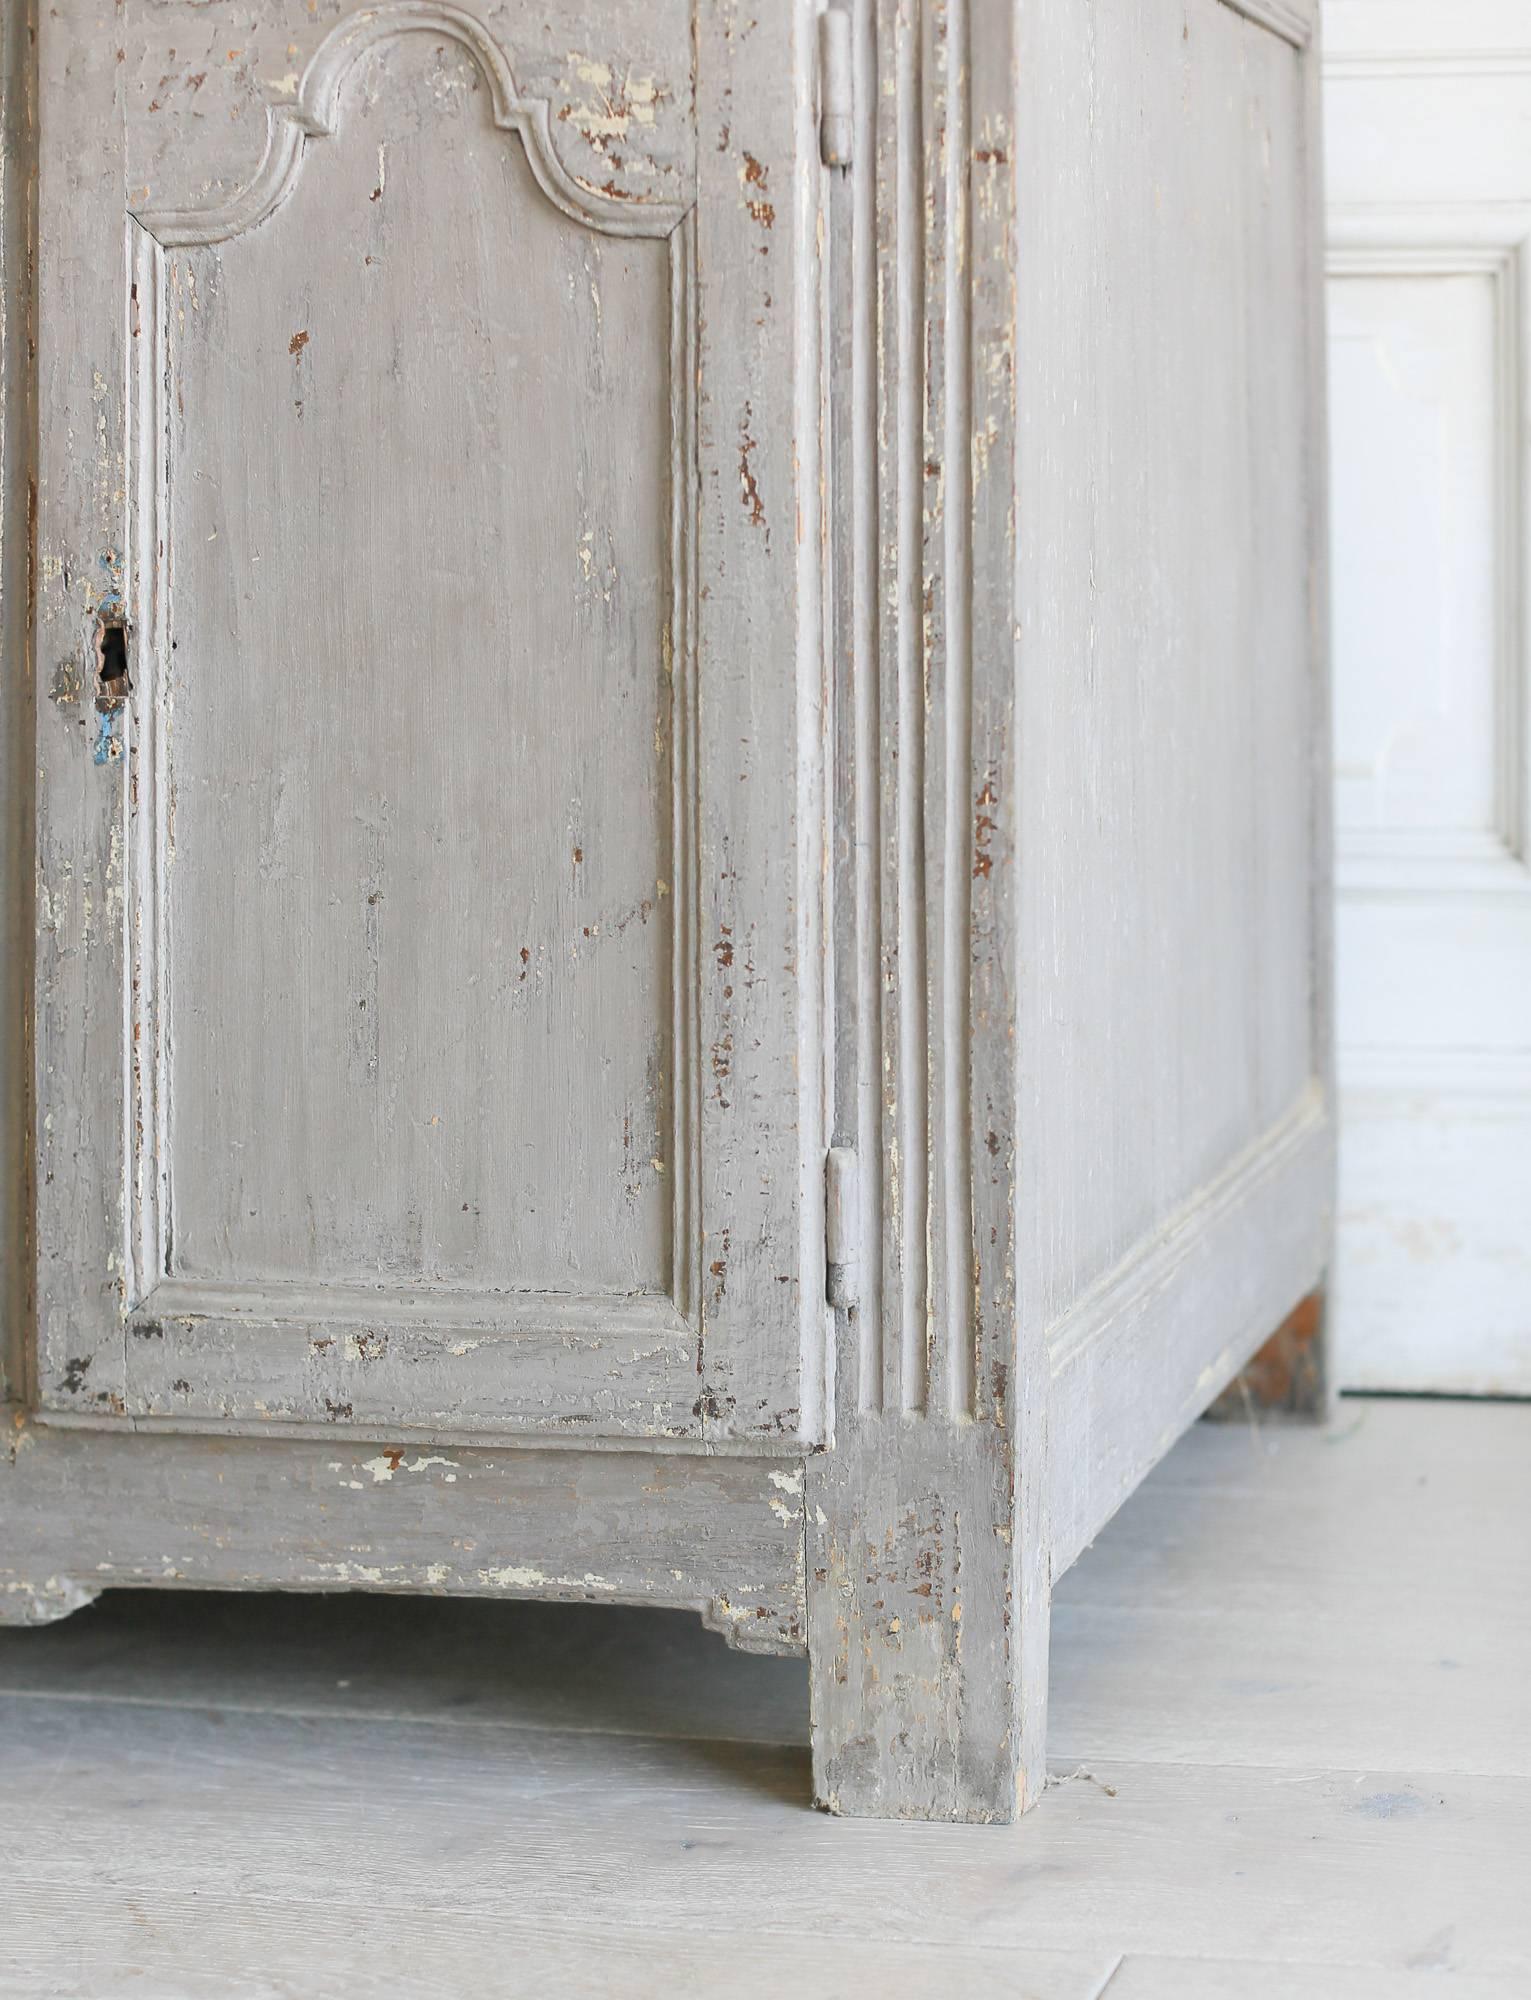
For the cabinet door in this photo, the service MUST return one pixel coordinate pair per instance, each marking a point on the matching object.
(429, 823)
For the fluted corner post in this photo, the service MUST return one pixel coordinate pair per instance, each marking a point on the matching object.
(926, 1570)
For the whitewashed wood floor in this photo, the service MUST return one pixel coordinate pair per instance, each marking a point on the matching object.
(1291, 1736)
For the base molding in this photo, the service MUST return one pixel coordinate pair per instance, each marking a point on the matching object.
(719, 1536)
(1200, 1293)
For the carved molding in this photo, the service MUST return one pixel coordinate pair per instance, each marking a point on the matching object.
(316, 115)
(1194, 1267)
(1289, 19)
(1386, 65)
(917, 1328)
(1453, 1077)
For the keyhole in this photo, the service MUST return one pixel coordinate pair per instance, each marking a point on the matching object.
(112, 662)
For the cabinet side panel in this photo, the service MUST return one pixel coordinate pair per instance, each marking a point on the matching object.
(1170, 699)
(1164, 696)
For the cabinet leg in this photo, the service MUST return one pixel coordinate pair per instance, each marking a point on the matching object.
(43, 1603)
(927, 1626)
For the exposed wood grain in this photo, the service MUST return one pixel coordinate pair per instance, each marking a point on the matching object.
(1288, 1371)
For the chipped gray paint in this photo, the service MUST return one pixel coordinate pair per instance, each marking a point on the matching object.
(86, 1510)
(1083, 1026)
(987, 558)
(465, 814)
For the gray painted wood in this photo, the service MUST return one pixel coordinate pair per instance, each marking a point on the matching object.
(456, 853)
(1081, 517)
(923, 1602)
(1212, 1273)
(1271, 1561)
(1171, 695)
(983, 479)
(16, 759)
(87, 1509)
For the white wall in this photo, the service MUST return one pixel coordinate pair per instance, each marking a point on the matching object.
(1428, 138)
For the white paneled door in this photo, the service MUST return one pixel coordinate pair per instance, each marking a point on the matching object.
(1428, 135)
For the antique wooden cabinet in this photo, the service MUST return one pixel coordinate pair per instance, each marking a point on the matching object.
(664, 814)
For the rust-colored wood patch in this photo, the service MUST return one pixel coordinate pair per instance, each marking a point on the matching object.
(1287, 1373)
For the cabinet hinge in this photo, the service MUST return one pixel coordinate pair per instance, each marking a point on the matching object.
(836, 87)
(842, 1227)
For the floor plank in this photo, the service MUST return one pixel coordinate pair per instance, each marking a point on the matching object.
(1354, 1596)
(660, 1836)
(1245, 1979)
(181, 1948)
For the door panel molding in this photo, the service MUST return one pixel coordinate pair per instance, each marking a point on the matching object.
(1211, 1268)
(1412, 39)
(316, 115)
(1429, 197)
(158, 1292)
(440, 1363)
(1447, 240)
(1290, 20)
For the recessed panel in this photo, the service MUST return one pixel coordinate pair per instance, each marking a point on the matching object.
(1413, 471)
(420, 951)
